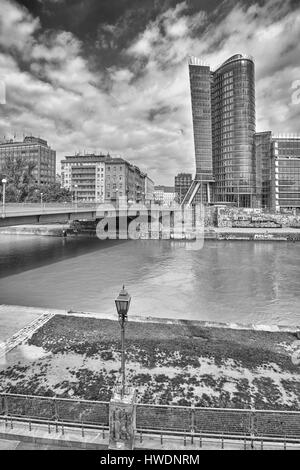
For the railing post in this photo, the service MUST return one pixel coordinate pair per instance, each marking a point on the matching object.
(222, 441)
(262, 444)
(141, 437)
(82, 430)
(184, 440)
(193, 417)
(6, 405)
(49, 428)
(200, 442)
(161, 439)
(55, 409)
(252, 423)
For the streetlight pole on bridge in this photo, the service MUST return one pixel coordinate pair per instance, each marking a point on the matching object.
(4, 181)
(76, 197)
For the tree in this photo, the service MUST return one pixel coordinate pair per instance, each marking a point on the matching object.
(55, 193)
(19, 174)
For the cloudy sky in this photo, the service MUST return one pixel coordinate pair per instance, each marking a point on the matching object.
(112, 75)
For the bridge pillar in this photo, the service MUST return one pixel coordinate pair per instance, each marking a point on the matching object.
(122, 420)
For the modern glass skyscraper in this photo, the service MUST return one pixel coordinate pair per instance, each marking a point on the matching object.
(223, 106)
(200, 80)
(233, 130)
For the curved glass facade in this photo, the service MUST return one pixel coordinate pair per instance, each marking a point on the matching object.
(200, 81)
(233, 130)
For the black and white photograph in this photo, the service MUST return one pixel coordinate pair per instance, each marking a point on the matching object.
(149, 228)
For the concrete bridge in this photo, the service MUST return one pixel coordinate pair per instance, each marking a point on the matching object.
(23, 214)
(28, 214)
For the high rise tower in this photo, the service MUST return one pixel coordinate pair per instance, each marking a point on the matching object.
(233, 130)
(200, 82)
(223, 107)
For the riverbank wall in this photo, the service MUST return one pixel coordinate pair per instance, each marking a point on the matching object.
(272, 328)
(53, 230)
(213, 233)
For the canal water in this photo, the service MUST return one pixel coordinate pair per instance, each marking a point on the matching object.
(245, 282)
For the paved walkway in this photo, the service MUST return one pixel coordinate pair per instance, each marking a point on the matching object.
(177, 443)
(39, 436)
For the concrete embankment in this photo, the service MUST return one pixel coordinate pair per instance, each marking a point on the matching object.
(233, 234)
(53, 230)
(211, 233)
(21, 310)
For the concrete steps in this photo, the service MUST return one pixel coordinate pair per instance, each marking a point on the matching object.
(24, 334)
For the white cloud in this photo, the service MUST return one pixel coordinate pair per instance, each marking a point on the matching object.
(146, 115)
(16, 26)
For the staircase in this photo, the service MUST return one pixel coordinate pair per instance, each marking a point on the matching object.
(24, 334)
(191, 194)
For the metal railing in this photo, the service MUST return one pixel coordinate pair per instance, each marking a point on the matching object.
(55, 409)
(159, 419)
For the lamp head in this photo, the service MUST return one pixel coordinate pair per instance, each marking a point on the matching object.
(122, 304)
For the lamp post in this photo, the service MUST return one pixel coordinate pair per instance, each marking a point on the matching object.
(122, 304)
(76, 196)
(4, 181)
(42, 194)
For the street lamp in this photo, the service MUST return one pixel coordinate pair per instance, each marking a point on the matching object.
(76, 196)
(4, 181)
(122, 303)
(42, 194)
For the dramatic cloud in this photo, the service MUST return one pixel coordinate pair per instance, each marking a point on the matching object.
(139, 106)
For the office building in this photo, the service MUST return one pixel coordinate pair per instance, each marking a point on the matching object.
(263, 154)
(149, 190)
(102, 178)
(35, 150)
(84, 175)
(164, 195)
(223, 109)
(183, 182)
(124, 181)
(279, 170)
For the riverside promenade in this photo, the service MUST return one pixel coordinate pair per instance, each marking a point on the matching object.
(56, 422)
